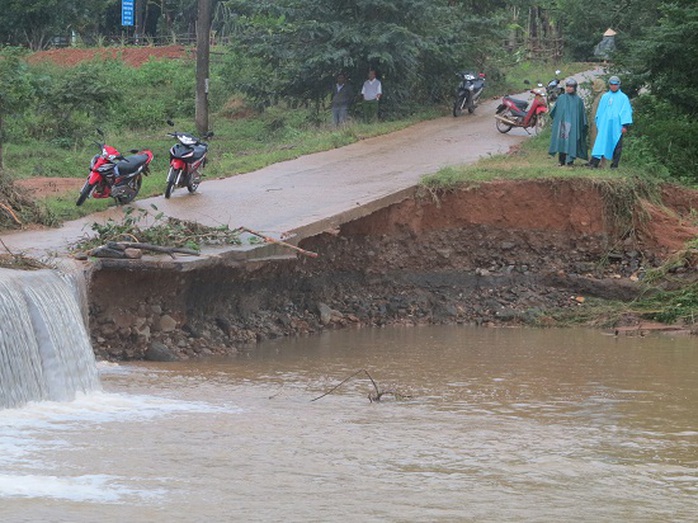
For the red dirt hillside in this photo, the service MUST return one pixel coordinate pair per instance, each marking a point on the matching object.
(134, 56)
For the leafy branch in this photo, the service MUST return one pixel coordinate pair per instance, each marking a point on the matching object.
(140, 226)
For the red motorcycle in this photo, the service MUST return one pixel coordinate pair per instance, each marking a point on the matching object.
(518, 113)
(112, 174)
(187, 160)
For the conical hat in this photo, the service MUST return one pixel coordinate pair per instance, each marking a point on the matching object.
(609, 32)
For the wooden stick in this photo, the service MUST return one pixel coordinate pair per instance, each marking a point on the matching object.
(7, 248)
(338, 385)
(268, 239)
(11, 213)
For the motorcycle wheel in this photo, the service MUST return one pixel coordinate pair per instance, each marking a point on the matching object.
(135, 185)
(459, 105)
(172, 176)
(85, 192)
(540, 123)
(194, 181)
(471, 106)
(503, 127)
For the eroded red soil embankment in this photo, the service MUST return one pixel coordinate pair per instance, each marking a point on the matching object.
(501, 252)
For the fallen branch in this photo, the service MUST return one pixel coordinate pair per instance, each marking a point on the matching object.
(18, 261)
(269, 239)
(11, 213)
(7, 248)
(371, 397)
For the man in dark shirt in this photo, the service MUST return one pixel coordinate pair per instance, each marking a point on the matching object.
(342, 97)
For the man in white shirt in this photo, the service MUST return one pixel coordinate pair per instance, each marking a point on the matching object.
(372, 92)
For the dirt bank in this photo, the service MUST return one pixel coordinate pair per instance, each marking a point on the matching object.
(500, 253)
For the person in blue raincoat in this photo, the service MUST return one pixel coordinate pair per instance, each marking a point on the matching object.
(569, 130)
(614, 116)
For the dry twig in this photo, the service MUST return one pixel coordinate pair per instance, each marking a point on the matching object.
(371, 397)
(269, 239)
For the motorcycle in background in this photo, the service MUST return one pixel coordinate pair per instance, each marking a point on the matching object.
(519, 113)
(112, 174)
(187, 160)
(554, 88)
(469, 92)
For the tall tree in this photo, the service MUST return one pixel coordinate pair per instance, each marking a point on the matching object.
(665, 57)
(412, 43)
(35, 23)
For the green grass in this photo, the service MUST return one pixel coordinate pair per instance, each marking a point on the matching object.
(535, 72)
(530, 161)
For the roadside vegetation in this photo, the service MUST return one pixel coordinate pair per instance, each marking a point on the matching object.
(273, 67)
(274, 64)
(54, 136)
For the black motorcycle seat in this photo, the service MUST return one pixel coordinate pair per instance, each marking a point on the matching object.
(519, 103)
(131, 164)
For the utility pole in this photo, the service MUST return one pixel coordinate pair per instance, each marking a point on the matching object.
(203, 31)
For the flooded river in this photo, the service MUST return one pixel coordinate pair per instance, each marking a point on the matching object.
(494, 425)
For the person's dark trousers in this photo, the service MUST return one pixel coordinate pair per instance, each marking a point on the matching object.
(562, 157)
(370, 109)
(616, 153)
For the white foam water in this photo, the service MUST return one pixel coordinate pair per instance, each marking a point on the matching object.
(32, 435)
(45, 351)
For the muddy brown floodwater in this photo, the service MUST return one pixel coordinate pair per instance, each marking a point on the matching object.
(501, 425)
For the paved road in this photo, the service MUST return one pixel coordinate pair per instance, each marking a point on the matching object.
(302, 196)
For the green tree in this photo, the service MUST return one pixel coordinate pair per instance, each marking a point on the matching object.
(664, 61)
(35, 23)
(585, 22)
(665, 57)
(414, 44)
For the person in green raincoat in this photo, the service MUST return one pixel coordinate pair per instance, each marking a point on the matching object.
(569, 129)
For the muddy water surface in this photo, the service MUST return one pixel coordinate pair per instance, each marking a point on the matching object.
(502, 425)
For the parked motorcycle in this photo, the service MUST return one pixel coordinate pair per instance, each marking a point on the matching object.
(187, 160)
(554, 88)
(112, 174)
(518, 113)
(469, 92)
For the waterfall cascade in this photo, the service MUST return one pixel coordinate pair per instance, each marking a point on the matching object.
(45, 350)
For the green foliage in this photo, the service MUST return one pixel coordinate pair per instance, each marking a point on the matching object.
(665, 58)
(672, 306)
(298, 46)
(664, 135)
(64, 105)
(35, 23)
(663, 61)
(585, 22)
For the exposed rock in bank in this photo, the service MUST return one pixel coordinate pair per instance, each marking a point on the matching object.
(502, 253)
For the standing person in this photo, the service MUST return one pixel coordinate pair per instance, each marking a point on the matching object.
(569, 130)
(342, 96)
(372, 92)
(613, 117)
(598, 87)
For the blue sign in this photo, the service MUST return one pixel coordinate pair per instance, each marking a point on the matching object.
(127, 12)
